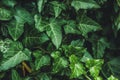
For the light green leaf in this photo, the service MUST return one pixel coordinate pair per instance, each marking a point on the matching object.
(15, 75)
(41, 4)
(44, 60)
(84, 4)
(87, 25)
(94, 66)
(15, 29)
(5, 14)
(15, 60)
(54, 32)
(40, 24)
(59, 64)
(76, 67)
(58, 7)
(112, 78)
(10, 3)
(55, 54)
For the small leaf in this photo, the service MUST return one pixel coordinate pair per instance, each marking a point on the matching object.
(99, 47)
(94, 66)
(112, 78)
(113, 66)
(41, 4)
(10, 3)
(44, 60)
(40, 24)
(5, 14)
(84, 4)
(15, 75)
(15, 60)
(34, 38)
(58, 7)
(77, 68)
(70, 28)
(59, 64)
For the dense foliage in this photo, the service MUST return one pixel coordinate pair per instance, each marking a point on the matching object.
(59, 39)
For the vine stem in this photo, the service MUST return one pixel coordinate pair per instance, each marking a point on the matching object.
(88, 77)
(26, 67)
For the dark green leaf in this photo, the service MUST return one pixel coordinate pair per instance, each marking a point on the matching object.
(44, 60)
(5, 14)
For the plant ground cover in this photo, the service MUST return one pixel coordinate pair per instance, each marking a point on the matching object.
(59, 39)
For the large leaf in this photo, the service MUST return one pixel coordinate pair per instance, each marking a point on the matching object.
(87, 25)
(84, 4)
(5, 14)
(41, 4)
(77, 68)
(58, 7)
(16, 29)
(44, 60)
(54, 32)
(15, 60)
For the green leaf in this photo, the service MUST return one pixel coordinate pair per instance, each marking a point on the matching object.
(55, 54)
(44, 76)
(58, 7)
(24, 15)
(15, 75)
(76, 67)
(84, 4)
(99, 47)
(94, 66)
(59, 64)
(5, 14)
(10, 3)
(70, 28)
(44, 60)
(16, 29)
(41, 4)
(40, 24)
(11, 48)
(112, 78)
(113, 66)
(87, 25)
(34, 38)
(15, 60)
(54, 32)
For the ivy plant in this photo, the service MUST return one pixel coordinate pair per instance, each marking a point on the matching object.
(59, 39)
